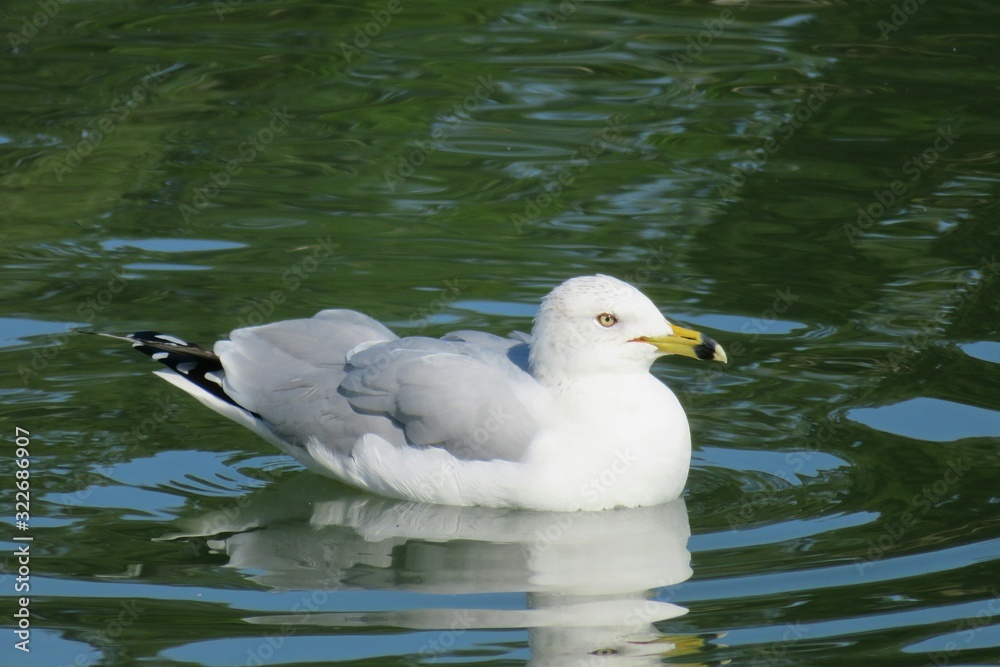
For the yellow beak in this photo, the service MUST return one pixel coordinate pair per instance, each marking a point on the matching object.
(688, 343)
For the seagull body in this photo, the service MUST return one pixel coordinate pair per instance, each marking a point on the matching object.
(566, 419)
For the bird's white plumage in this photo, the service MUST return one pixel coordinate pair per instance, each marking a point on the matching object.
(566, 419)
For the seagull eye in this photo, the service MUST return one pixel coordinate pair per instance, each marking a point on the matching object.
(607, 320)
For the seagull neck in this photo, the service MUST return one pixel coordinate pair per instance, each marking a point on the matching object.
(590, 384)
(564, 373)
(552, 376)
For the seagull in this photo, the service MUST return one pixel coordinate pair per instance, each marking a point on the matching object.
(566, 419)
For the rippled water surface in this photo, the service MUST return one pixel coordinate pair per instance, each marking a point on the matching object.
(812, 183)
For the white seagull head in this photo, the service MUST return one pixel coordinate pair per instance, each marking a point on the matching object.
(599, 324)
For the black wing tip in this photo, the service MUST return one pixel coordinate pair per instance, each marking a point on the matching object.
(155, 337)
(150, 338)
(188, 359)
(171, 350)
(200, 366)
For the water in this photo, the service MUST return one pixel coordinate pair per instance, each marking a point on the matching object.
(813, 184)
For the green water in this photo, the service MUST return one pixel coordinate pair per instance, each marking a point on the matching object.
(814, 184)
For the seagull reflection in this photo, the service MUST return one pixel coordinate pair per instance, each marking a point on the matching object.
(593, 581)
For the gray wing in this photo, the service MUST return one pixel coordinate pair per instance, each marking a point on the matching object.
(463, 394)
(340, 375)
(289, 373)
(516, 347)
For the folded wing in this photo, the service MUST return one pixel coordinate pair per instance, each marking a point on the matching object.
(341, 375)
(289, 373)
(467, 398)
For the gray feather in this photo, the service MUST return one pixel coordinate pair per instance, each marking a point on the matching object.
(341, 375)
